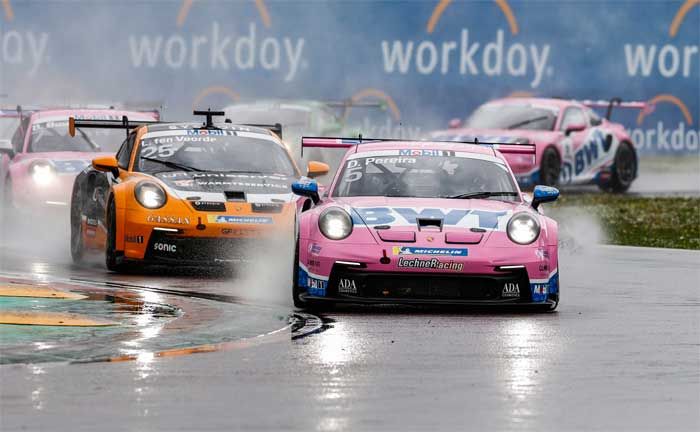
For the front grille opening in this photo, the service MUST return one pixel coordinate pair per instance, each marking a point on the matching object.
(236, 196)
(431, 286)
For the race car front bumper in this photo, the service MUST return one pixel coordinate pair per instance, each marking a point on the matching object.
(353, 284)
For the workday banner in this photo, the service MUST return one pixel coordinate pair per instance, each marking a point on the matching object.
(426, 61)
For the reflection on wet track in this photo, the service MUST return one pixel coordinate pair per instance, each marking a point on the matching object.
(620, 354)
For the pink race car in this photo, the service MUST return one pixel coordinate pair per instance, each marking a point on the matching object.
(41, 161)
(426, 223)
(574, 145)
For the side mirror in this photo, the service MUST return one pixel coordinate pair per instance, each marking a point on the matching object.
(6, 148)
(455, 123)
(575, 127)
(316, 169)
(307, 188)
(543, 194)
(106, 164)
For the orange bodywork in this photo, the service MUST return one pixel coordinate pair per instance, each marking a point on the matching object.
(178, 218)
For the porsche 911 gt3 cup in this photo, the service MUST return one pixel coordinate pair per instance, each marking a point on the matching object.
(425, 222)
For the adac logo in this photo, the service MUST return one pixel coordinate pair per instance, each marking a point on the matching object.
(27, 50)
(671, 59)
(233, 45)
(467, 56)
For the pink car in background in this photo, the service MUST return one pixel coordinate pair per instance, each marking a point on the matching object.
(41, 160)
(574, 145)
(426, 223)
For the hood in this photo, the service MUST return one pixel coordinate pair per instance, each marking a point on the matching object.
(223, 186)
(464, 220)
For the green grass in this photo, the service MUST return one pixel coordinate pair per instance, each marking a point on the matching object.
(668, 222)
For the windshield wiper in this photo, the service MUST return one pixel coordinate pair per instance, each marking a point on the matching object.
(88, 139)
(477, 195)
(174, 165)
(243, 172)
(524, 122)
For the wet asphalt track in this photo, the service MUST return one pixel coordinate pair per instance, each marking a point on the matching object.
(621, 353)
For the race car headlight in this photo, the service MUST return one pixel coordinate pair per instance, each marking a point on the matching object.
(150, 195)
(42, 172)
(523, 228)
(335, 223)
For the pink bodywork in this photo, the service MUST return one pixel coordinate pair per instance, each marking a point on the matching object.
(25, 194)
(368, 245)
(577, 167)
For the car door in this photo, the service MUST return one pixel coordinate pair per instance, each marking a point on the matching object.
(580, 150)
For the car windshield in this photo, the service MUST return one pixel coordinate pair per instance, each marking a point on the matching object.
(228, 150)
(8, 125)
(52, 136)
(425, 174)
(254, 114)
(507, 116)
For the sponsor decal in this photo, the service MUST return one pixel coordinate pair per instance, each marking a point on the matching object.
(347, 286)
(409, 250)
(90, 232)
(175, 220)
(133, 239)
(402, 216)
(91, 222)
(423, 152)
(433, 264)
(510, 289)
(314, 248)
(316, 284)
(540, 288)
(254, 220)
(239, 232)
(314, 263)
(165, 247)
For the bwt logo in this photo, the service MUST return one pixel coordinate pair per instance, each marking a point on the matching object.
(23, 49)
(217, 50)
(668, 60)
(467, 57)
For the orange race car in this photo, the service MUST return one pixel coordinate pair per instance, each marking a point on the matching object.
(185, 193)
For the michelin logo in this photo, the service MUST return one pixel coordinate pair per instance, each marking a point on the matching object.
(407, 250)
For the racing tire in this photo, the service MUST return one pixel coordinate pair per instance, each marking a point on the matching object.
(77, 247)
(550, 167)
(113, 258)
(625, 169)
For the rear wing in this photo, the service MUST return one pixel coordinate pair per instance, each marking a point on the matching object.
(124, 123)
(346, 104)
(617, 102)
(346, 143)
(276, 128)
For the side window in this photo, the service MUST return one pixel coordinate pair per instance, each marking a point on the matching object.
(572, 116)
(18, 137)
(594, 117)
(124, 153)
